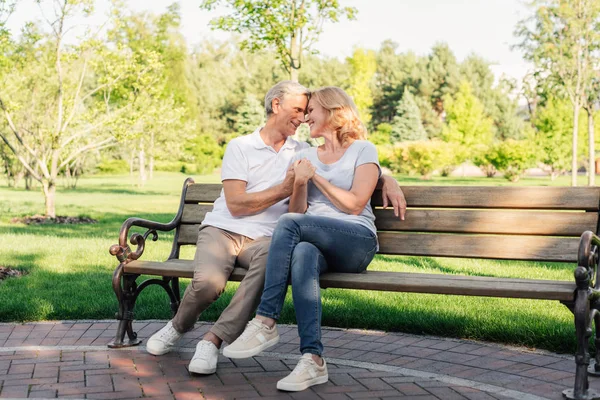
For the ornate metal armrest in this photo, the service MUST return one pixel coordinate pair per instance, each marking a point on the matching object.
(586, 273)
(122, 250)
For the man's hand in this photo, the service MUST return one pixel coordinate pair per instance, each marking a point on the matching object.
(392, 193)
(288, 181)
(304, 171)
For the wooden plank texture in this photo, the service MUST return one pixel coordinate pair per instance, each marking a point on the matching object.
(527, 248)
(203, 192)
(546, 223)
(398, 282)
(543, 198)
(532, 248)
(194, 213)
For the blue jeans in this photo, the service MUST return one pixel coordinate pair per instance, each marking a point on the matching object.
(304, 247)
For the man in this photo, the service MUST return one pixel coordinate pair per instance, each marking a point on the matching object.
(257, 180)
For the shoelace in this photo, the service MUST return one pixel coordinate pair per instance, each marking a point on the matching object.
(303, 364)
(251, 329)
(203, 346)
(167, 333)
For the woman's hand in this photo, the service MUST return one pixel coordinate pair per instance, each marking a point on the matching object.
(304, 171)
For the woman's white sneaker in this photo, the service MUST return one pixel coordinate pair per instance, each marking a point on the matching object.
(163, 341)
(255, 338)
(306, 374)
(205, 358)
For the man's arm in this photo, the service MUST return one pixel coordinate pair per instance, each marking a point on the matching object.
(241, 203)
(391, 193)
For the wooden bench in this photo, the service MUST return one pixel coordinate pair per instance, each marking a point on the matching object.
(547, 224)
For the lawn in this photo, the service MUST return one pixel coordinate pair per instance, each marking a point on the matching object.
(68, 270)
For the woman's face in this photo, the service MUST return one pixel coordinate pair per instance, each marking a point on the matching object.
(316, 118)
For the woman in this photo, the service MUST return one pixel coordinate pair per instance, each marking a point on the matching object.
(330, 227)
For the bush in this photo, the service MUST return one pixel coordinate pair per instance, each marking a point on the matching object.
(113, 166)
(382, 135)
(386, 155)
(512, 157)
(417, 158)
(481, 158)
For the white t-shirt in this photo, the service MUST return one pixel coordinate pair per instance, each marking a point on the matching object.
(248, 158)
(340, 174)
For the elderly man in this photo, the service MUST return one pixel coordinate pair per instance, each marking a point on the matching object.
(257, 180)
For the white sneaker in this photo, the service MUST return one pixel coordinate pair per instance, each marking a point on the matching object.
(163, 341)
(306, 374)
(255, 338)
(205, 358)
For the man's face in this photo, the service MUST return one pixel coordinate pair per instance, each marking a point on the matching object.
(289, 113)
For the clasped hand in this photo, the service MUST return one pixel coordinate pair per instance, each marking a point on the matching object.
(303, 170)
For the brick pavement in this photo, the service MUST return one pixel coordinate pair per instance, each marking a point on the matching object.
(69, 359)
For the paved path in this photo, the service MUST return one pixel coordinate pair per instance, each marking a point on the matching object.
(69, 359)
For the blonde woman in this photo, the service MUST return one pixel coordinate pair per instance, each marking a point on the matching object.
(330, 227)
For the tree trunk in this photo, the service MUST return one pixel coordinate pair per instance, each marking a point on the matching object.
(576, 107)
(151, 156)
(142, 160)
(592, 150)
(131, 161)
(294, 74)
(49, 189)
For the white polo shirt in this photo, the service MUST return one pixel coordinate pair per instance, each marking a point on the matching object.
(248, 158)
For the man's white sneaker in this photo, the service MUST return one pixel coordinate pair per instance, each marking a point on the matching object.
(306, 374)
(163, 341)
(255, 338)
(205, 358)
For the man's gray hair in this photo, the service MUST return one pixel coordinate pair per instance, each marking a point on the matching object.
(280, 90)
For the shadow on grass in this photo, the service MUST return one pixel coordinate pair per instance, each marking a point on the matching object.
(45, 295)
(118, 190)
(108, 226)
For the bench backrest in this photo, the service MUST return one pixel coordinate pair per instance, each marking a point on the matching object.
(516, 223)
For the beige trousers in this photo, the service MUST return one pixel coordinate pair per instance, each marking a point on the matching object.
(217, 252)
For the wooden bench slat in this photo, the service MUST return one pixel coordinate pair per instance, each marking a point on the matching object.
(194, 213)
(489, 222)
(203, 192)
(397, 281)
(530, 248)
(542, 198)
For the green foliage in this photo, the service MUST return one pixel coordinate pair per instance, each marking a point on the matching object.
(113, 166)
(406, 125)
(466, 122)
(289, 27)
(480, 155)
(206, 152)
(382, 135)
(512, 157)
(554, 123)
(363, 66)
(250, 115)
(420, 158)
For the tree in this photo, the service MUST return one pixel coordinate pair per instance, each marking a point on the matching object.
(466, 122)
(512, 157)
(291, 27)
(56, 101)
(363, 65)
(553, 124)
(250, 115)
(442, 76)
(557, 40)
(407, 125)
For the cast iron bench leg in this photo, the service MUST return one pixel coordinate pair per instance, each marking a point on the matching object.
(126, 294)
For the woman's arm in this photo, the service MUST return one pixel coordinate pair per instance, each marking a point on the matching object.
(351, 201)
(299, 198)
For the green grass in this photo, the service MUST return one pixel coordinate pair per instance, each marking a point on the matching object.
(69, 270)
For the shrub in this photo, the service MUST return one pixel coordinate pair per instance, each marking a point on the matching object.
(512, 157)
(113, 166)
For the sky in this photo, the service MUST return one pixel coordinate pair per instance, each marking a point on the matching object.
(483, 27)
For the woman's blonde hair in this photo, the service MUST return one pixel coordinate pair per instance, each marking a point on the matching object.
(343, 114)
